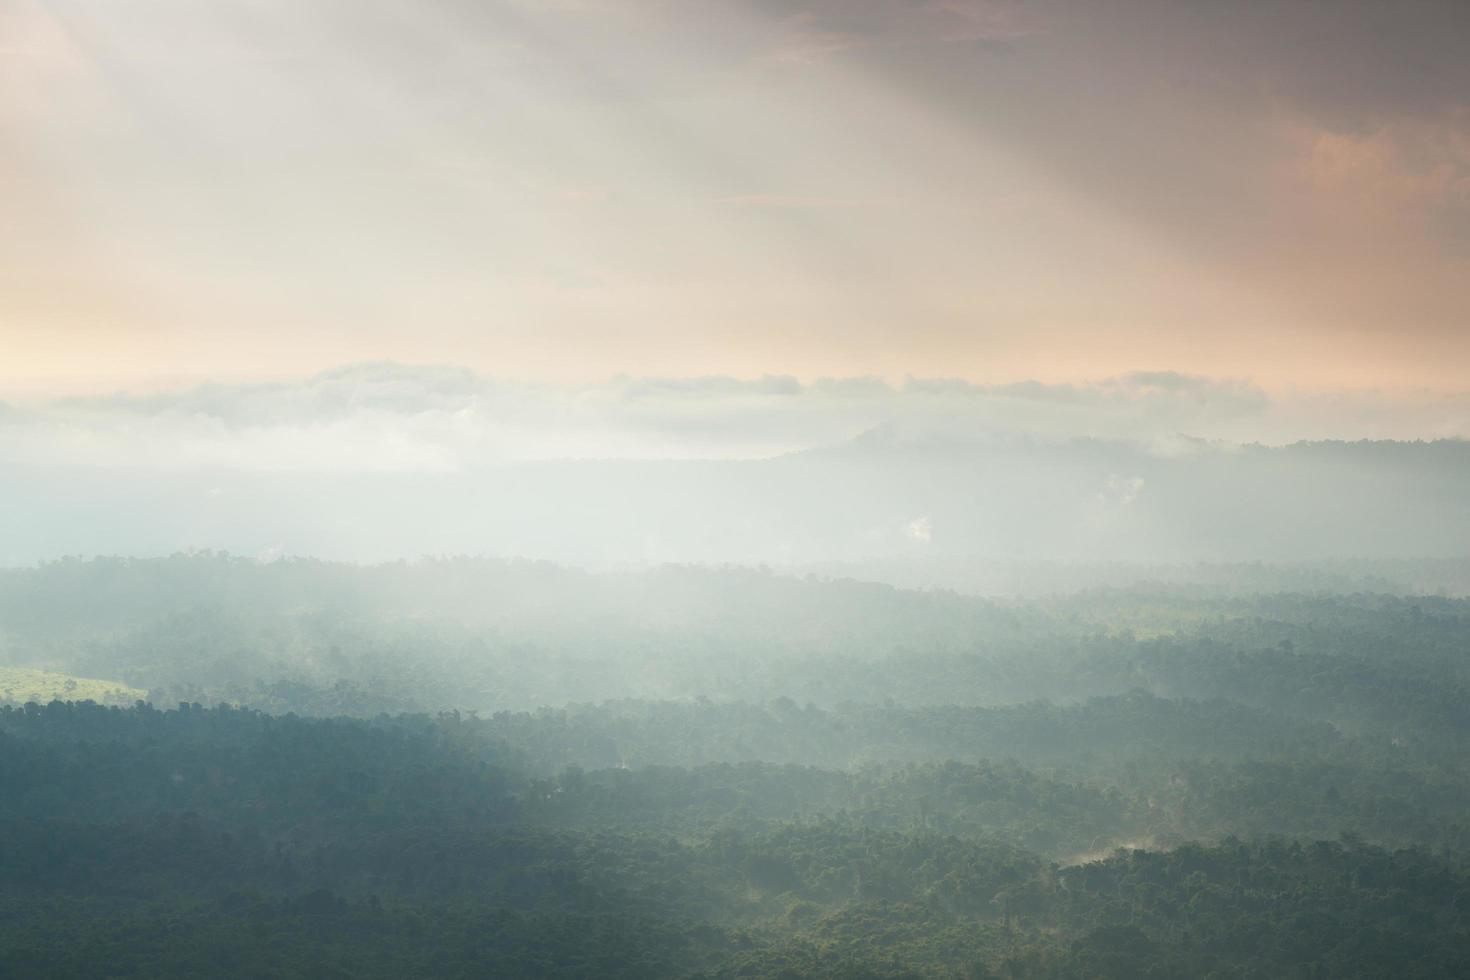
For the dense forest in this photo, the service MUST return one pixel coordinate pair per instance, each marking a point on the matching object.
(216, 767)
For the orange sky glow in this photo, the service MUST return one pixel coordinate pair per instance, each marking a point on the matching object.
(566, 192)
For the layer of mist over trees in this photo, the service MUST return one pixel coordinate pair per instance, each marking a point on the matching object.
(734, 489)
(464, 767)
(909, 509)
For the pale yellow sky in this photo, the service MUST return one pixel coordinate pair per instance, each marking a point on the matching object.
(574, 190)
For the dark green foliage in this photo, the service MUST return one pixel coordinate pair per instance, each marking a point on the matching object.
(317, 638)
(199, 841)
(472, 769)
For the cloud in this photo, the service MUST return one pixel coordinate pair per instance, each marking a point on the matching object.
(801, 202)
(1414, 174)
(1121, 491)
(920, 529)
(401, 418)
(817, 29)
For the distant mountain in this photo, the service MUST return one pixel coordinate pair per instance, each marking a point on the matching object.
(884, 497)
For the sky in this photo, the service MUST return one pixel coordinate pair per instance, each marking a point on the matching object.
(1267, 200)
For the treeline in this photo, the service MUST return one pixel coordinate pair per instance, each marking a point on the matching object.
(550, 769)
(324, 639)
(1100, 735)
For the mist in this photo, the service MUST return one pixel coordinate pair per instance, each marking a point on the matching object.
(385, 463)
(760, 489)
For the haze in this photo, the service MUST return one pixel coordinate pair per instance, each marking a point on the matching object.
(735, 489)
(567, 191)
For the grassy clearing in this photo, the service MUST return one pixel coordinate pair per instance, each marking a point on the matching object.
(22, 684)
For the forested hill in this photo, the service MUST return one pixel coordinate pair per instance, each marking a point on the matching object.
(321, 638)
(221, 842)
(479, 768)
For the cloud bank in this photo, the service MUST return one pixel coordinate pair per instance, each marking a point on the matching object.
(401, 418)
